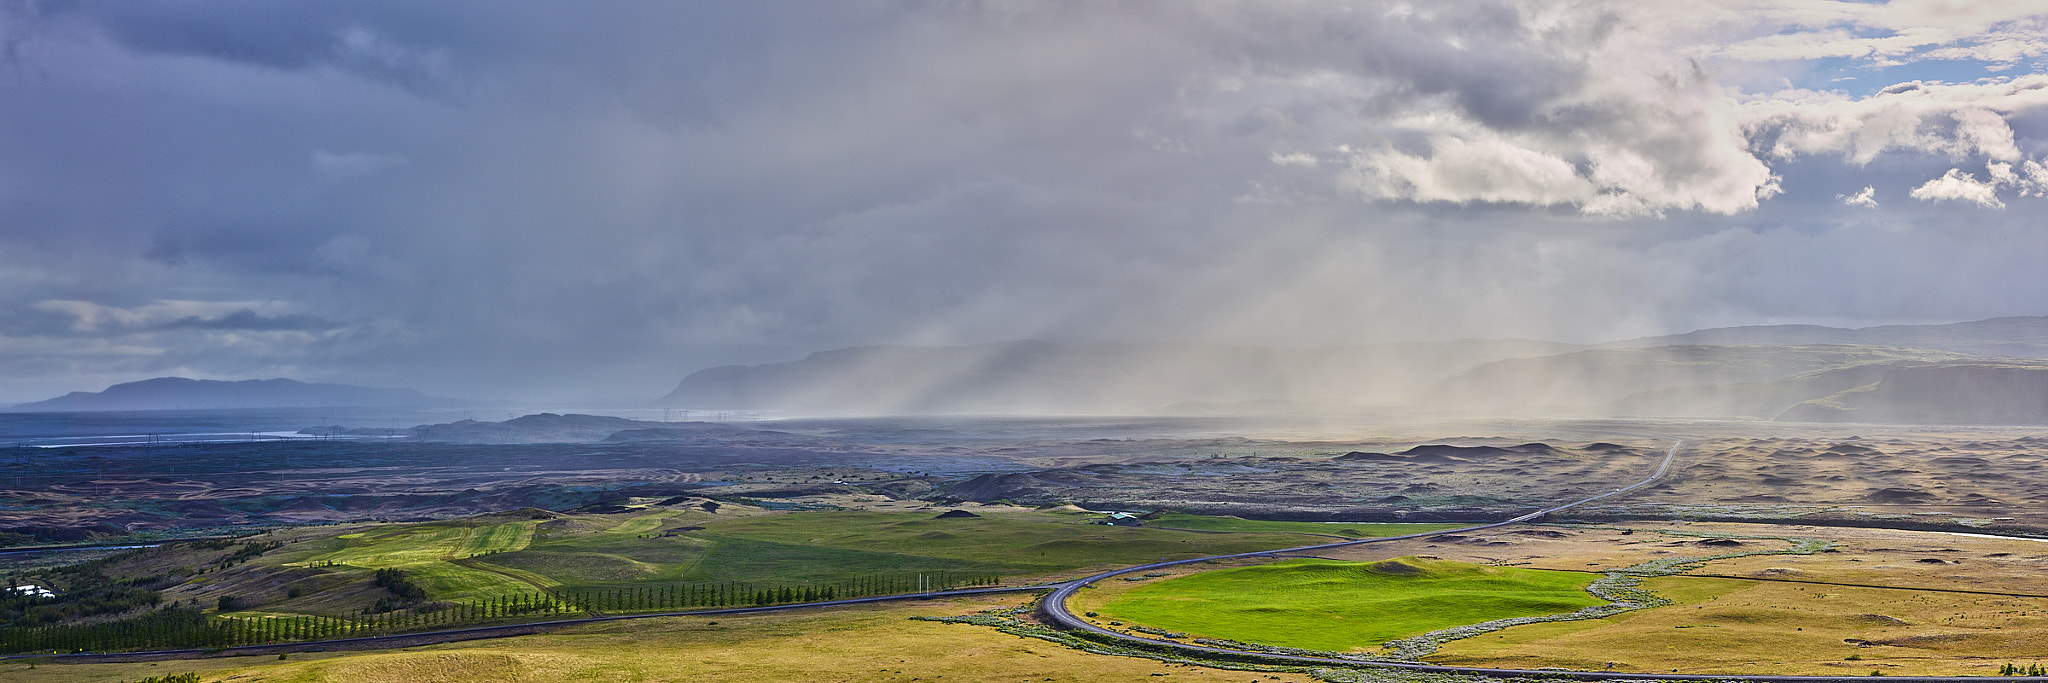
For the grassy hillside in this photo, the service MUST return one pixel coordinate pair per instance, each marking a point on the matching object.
(1946, 393)
(1955, 392)
(1342, 606)
(1586, 381)
(1760, 400)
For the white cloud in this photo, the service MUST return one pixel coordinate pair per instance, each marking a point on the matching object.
(1458, 170)
(2027, 179)
(2030, 179)
(1886, 34)
(1866, 198)
(1302, 159)
(1583, 107)
(1953, 120)
(2002, 51)
(1961, 187)
(1642, 129)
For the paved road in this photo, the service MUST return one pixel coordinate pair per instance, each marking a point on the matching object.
(1054, 606)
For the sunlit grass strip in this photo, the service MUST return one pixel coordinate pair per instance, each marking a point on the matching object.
(498, 538)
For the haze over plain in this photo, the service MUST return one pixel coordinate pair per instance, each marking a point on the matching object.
(538, 201)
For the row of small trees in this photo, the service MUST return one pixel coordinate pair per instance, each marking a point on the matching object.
(184, 627)
(740, 594)
(2017, 670)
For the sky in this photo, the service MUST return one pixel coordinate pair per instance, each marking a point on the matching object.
(505, 199)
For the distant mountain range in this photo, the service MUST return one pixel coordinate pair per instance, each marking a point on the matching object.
(1983, 372)
(178, 393)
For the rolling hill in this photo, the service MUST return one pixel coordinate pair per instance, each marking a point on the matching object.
(1583, 382)
(1952, 392)
(2011, 337)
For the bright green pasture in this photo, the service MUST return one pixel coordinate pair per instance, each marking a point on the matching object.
(1175, 520)
(1342, 606)
(424, 551)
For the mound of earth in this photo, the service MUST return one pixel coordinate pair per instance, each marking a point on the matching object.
(956, 514)
(1013, 485)
(1447, 453)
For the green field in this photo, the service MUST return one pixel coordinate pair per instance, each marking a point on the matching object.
(533, 564)
(1344, 606)
(829, 546)
(427, 552)
(1176, 520)
(501, 555)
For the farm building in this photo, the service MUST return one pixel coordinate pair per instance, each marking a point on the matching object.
(1119, 519)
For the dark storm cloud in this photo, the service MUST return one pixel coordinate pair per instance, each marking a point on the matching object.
(476, 198)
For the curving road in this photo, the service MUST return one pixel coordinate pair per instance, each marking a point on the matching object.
(1054, 606)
